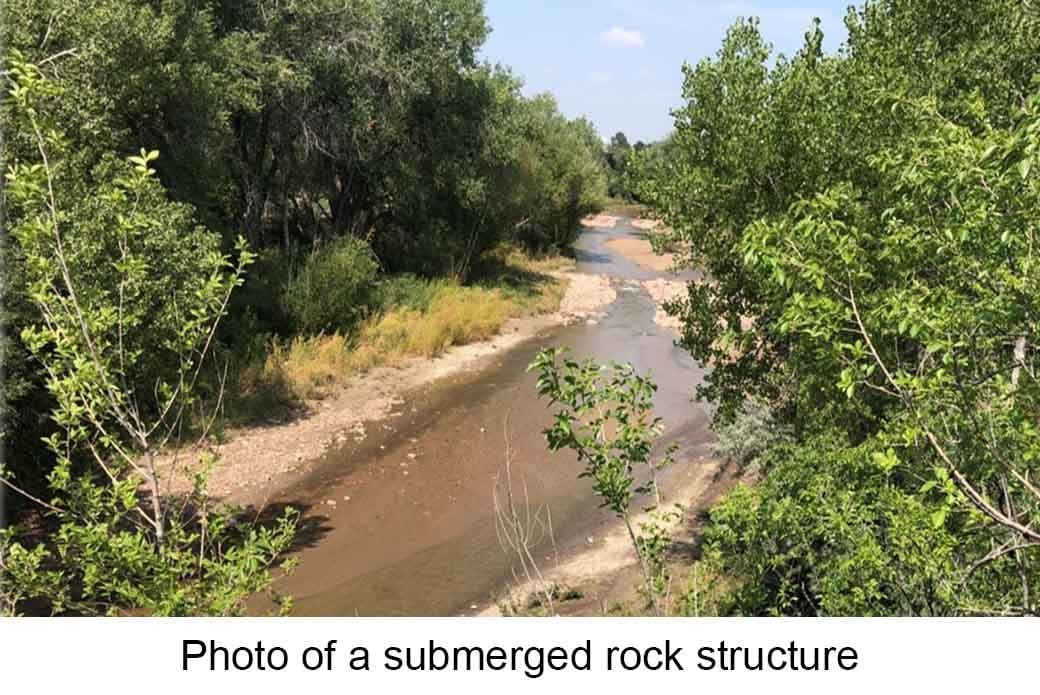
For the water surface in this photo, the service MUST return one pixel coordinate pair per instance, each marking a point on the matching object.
(416, 536)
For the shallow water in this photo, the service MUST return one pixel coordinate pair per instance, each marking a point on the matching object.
(416, 536)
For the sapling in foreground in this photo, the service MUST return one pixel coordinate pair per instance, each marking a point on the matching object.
(129, 293)
(605, 416)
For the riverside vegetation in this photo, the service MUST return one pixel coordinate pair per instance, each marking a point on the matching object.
(865, 222)
(868, 223)
(218, 211)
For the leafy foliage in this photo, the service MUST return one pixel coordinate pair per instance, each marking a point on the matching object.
(332, 290)
(864, 220)
(827, 532)
(129, 294)
(605, 417)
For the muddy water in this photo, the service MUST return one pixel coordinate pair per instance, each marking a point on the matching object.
(411, 530)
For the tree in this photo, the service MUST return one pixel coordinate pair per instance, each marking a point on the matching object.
(560, 178)
(129, 293)
(920, 304)
(861, 221)
(618, 155)
(605, 417)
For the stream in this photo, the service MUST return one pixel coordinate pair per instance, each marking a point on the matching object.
(402, 522)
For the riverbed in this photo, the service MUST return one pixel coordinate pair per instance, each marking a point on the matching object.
(401, 522)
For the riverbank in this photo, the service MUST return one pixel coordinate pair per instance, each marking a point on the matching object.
(602, 577)
(256, 463)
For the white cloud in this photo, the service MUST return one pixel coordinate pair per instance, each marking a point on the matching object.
(619, 37)
(599, 77)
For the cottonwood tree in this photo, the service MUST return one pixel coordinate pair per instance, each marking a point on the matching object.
(928, 304)
(863, 220)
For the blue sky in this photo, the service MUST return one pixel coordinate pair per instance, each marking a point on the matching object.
(618, 61)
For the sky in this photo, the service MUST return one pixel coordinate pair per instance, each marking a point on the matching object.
(619, 62)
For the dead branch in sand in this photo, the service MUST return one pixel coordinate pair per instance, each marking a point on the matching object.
(519, 528)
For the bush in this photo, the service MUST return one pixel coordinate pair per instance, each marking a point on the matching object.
(404, 291)
(830, 532)
(257, 306)
(750, 435)
(333, 290)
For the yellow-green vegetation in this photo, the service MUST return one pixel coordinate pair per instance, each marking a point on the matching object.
(426, 317)
(624, 208)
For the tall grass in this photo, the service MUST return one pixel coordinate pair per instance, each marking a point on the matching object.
(417, 318)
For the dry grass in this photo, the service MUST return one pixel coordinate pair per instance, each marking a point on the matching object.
(307, 368)
(457, 315)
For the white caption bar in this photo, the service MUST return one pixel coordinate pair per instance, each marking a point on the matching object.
(519, 655)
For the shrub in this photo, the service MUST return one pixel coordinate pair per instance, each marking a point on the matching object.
(122, 346)
(333, 290)
(829, 531)
(259, 300)
(751, 434)
(405, 291)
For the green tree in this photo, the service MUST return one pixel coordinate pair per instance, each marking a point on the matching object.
(861, 221)
(604, 415)
(561, 178)
(619, 152)
(129, 294)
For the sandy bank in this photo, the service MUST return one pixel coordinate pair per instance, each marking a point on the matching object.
(646, 225)
(605, 573)
(600, 221)
(640, 251)
(663, 291)
(255, 463)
